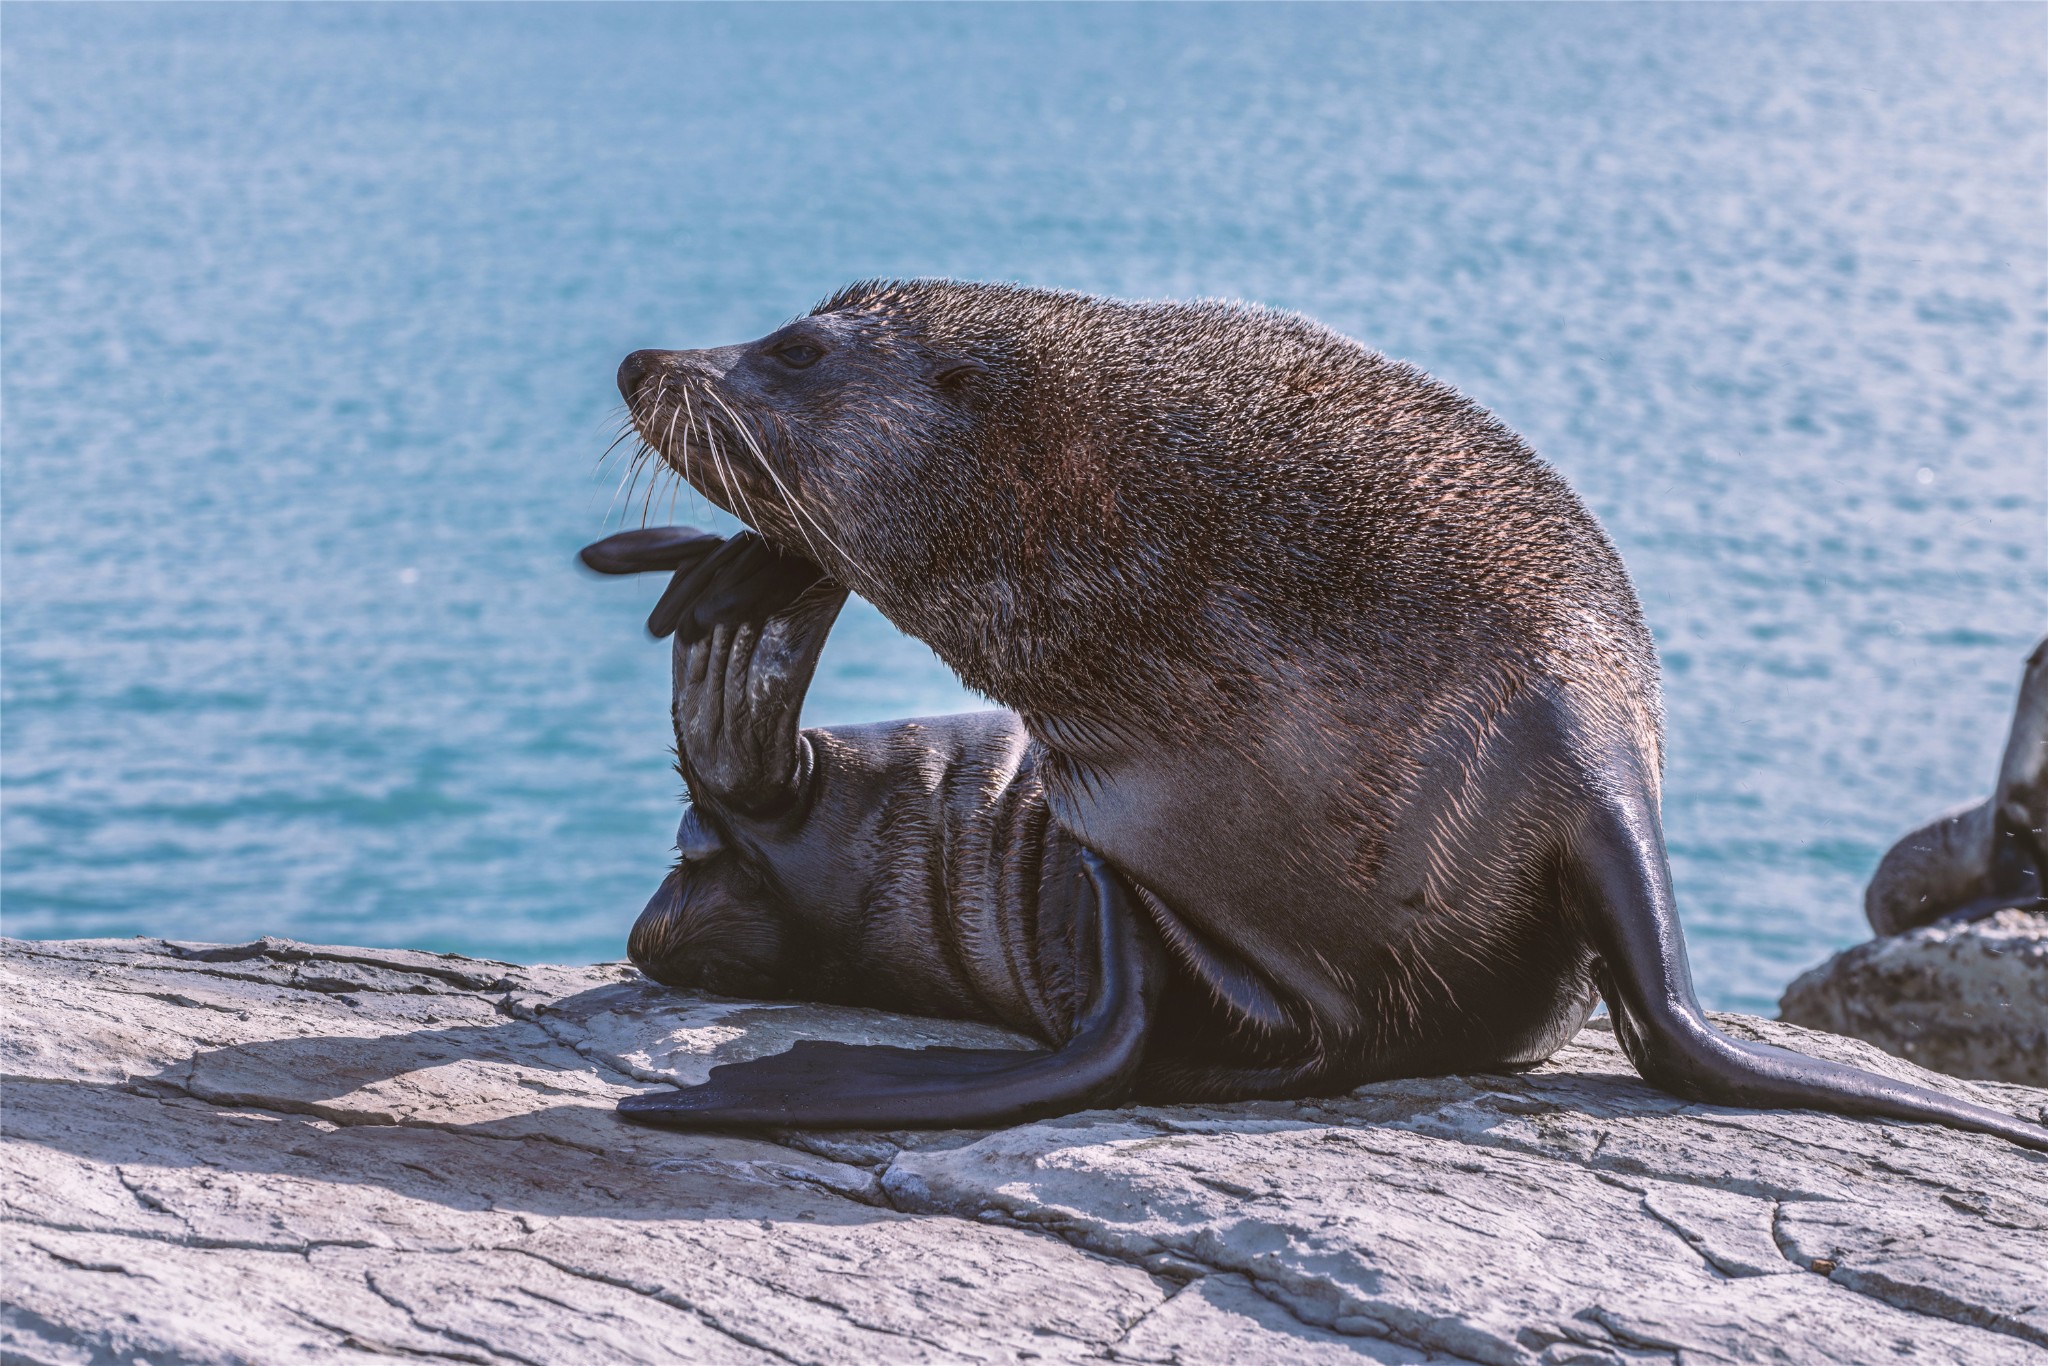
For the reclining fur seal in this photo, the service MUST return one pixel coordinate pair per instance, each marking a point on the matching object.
(910, 865)
(1334, 742)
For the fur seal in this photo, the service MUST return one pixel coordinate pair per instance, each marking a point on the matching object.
(1983, 858)
(1334, 744)
(909, 865)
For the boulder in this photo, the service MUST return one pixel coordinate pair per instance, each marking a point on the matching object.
(1970, 1000)
(278, 1152)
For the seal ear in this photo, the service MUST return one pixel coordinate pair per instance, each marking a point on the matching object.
(956, 372)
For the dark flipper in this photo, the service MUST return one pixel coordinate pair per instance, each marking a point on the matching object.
(649, 549)
(1983, 908)
(1623, 887)
(1978, 860)
(745, 579)
(750, 623)
(718, 581)
(739, 687)
(847, 1086)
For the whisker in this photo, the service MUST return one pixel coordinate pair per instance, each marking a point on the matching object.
(797, 512)
(717, 456)
(681, 481)
(608, 507)
(631, 479)
(689, 426)
(653, 483)
(725, 466)
(668, 440)
(617, 441)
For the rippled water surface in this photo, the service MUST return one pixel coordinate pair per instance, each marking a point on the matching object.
(311, 315)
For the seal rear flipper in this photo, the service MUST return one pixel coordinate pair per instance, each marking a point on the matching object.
(746, 579)
(852, 1086)
(1622, 884)
(716, 581)
(867, 1086)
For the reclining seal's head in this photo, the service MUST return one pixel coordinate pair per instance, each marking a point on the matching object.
(1074, 499)
(712, 924)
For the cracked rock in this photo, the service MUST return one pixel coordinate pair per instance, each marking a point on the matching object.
(277, 1151)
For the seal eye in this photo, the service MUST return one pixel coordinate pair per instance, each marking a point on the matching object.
(797, 354)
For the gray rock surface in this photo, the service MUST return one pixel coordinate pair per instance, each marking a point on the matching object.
(1969, 1000)
(278, 1153)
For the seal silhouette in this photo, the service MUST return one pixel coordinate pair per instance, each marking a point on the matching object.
(1333, 748)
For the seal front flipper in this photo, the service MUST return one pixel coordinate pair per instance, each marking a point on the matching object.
(846, 1086)
(1621, 883)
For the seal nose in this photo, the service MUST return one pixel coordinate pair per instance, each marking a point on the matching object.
(633, 369)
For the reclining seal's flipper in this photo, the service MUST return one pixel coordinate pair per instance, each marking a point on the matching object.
(718, 581)
(649, 549)
(746, 579)
(749, 624)
(1622, 884)
(847, 1086)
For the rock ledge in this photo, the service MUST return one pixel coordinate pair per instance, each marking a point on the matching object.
(278, 1152)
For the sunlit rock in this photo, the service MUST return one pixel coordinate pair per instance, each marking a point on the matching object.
(274, 1152)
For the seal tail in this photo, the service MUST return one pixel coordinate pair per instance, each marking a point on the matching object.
(821, 1085)
(1623, 889)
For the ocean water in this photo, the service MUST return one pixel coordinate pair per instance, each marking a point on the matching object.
(311, 313)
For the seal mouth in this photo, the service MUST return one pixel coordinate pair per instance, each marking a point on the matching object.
(681, 418)
(681, 421)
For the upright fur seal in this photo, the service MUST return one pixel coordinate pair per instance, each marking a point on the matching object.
(1977, 860)
(1336, 743)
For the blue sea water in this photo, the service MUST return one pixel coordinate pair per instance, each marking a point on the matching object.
(310, 316)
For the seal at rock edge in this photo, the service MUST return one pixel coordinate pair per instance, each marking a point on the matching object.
(1334, 749)
(1977, 860)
